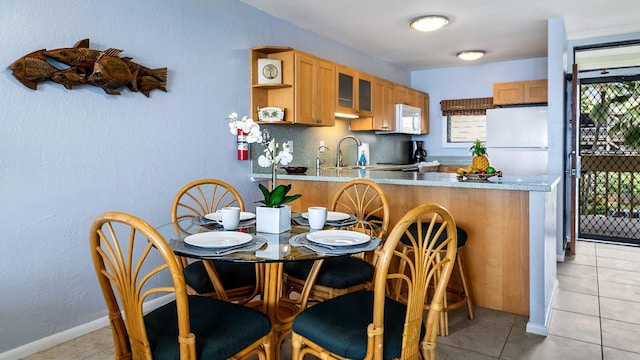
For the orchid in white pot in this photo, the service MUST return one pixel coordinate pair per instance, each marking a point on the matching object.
(274, 216)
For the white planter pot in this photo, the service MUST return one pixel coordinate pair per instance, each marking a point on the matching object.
(273, 220)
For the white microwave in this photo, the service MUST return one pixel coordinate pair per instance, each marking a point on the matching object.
(408, 120)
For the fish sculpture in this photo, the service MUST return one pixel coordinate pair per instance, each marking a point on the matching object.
(148, 83)
(32, 69)
(148, 79)
(79, 56)
(104, 69)
(110, 73)
(70, 77)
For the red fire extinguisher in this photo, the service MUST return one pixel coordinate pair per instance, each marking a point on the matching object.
(243, 145)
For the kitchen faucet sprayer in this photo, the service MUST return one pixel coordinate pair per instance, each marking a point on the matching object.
(339, 152)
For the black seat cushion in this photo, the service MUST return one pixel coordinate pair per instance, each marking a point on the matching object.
(221, 328)
(413, 229)
(233, 275)
(336, 272)
(340, 325)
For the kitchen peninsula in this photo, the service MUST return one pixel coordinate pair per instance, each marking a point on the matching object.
(511, 223)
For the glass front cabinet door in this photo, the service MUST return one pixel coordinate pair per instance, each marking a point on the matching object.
(353, 93)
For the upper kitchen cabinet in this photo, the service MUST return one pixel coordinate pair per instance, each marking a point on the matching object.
(354, 93)
(383, 109)
(405, 95)
(520, 92)
(423, 99)
(270, 94)
(315, 90)
(306, 91)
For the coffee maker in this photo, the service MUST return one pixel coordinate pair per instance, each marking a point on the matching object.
(418, 153)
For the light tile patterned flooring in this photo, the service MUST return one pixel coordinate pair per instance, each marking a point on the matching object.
(596, 317)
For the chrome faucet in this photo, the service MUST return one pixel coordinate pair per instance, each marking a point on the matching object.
(339, 152)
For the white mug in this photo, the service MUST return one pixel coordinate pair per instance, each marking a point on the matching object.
(229, 217)
(317, 217)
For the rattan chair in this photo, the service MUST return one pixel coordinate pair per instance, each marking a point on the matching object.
(455, 297)
(367, 201)
(386, 323)
(133, 262)
(221, 279)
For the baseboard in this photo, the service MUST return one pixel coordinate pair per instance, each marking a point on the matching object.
(69, 334)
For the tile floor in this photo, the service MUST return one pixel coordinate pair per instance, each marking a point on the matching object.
(596, 316)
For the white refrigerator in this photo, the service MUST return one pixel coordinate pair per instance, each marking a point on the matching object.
(517, 140)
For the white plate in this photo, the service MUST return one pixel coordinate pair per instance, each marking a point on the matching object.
(331, 216)
(338, 237)
(243, 216)
(218, 239)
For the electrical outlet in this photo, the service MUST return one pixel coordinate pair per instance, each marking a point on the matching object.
(290, 146)
(322, 147)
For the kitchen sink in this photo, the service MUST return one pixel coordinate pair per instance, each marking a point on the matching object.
(381, 167)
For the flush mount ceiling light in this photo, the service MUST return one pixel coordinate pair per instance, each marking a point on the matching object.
(470, 55)
(429, 23)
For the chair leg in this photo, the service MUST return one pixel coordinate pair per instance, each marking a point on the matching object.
(461, 297)
(465, 287)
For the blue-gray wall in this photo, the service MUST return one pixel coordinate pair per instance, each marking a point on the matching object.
(475, 81)
(69, 155)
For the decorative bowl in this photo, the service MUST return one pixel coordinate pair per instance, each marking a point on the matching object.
(295, 169)
(270, 114)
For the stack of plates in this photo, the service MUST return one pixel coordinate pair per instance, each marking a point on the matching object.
(334, 218)
(216, 243)
(335, 242)
(218, 239)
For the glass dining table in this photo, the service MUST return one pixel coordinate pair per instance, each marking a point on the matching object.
(270, 251)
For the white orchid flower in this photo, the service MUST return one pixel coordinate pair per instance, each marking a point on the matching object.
(284, 157)
(233, 117)
(233, 129)
(254, 135)
(263, 161)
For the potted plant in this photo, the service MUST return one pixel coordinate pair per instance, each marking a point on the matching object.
(274, 216)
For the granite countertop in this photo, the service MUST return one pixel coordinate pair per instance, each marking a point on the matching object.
(521, 183)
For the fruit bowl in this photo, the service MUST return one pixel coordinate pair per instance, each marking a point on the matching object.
(467, 176)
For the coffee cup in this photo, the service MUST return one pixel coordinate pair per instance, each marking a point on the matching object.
(229, 217)
(317, 217)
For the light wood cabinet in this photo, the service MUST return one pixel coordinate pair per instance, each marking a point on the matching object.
(307, 91)
(422, 99)
(404, 95)
(520, 92)
(314, 90)
(354, 92)
(383, 108)
(278, 95)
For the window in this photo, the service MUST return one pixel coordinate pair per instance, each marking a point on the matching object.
(466, 128)
(464, 121)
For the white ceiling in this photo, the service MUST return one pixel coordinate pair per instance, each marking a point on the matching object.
(505, 29)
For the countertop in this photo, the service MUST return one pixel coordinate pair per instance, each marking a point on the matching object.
(435, 179)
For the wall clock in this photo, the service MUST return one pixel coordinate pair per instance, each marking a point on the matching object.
(269, 71)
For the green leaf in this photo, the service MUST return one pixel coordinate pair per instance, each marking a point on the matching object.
(278, 196)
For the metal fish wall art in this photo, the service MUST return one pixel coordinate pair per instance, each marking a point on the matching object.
(104, 69)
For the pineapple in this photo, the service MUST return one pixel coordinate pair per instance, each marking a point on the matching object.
(479, 152)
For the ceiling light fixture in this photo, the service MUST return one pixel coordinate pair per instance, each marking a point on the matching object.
(470, 55)
(429, 22)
